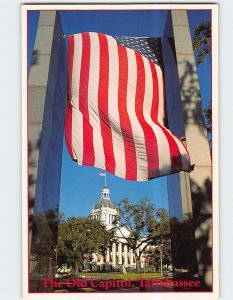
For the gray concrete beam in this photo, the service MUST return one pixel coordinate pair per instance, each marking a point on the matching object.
(196, 190)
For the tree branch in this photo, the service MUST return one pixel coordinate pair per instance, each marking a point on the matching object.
(140, 252)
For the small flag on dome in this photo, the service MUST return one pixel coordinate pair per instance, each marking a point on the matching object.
(102, 174)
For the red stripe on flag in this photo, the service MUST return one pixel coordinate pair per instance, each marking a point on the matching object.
(68, 130)
(175, 156)
(70, 66)
(103, 103)
(164, 95)
(176, 162)
(183, 144)
(68, 118)
(155, 102)
(126, 129)
(149, 135)
(88, 148)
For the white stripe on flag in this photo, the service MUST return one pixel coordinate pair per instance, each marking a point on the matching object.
(162, 142)
(161, 95)
(113, 110)
(77, 117)
(138, 135)
(93, 89)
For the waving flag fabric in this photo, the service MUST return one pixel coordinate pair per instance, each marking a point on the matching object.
(115, 111)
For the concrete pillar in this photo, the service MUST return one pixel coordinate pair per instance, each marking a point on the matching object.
(196, 186)
(47, 89)
(37, 85)
(125, 255)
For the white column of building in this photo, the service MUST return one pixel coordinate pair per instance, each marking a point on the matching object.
(143, 260)
(107, 261)
(131, 256)
(125, 255)
(101, 217)
(120, 253)
(107, 256)
(114, 254)
(102, 259)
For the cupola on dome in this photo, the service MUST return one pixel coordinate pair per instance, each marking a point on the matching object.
(105, 203)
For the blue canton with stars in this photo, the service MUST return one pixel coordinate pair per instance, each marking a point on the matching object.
(148, 47)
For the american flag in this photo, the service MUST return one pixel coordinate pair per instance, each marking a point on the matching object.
(115, 108)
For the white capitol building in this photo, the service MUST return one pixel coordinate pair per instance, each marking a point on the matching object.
(119, 254)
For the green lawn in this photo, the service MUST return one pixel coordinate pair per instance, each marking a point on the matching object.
(117, 275)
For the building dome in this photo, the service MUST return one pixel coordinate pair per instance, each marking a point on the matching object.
(105, 210)
(105, 199)
(105, 203)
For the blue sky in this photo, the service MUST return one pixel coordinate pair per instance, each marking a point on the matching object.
(81, 186)
(204, 70)
(33, 18)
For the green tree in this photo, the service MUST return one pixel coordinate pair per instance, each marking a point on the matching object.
(45, 226)
(202, 41)
(183, 243)
(146, 224)
(202, 47)
(155, 255)
(79, 238)
(208, 115)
